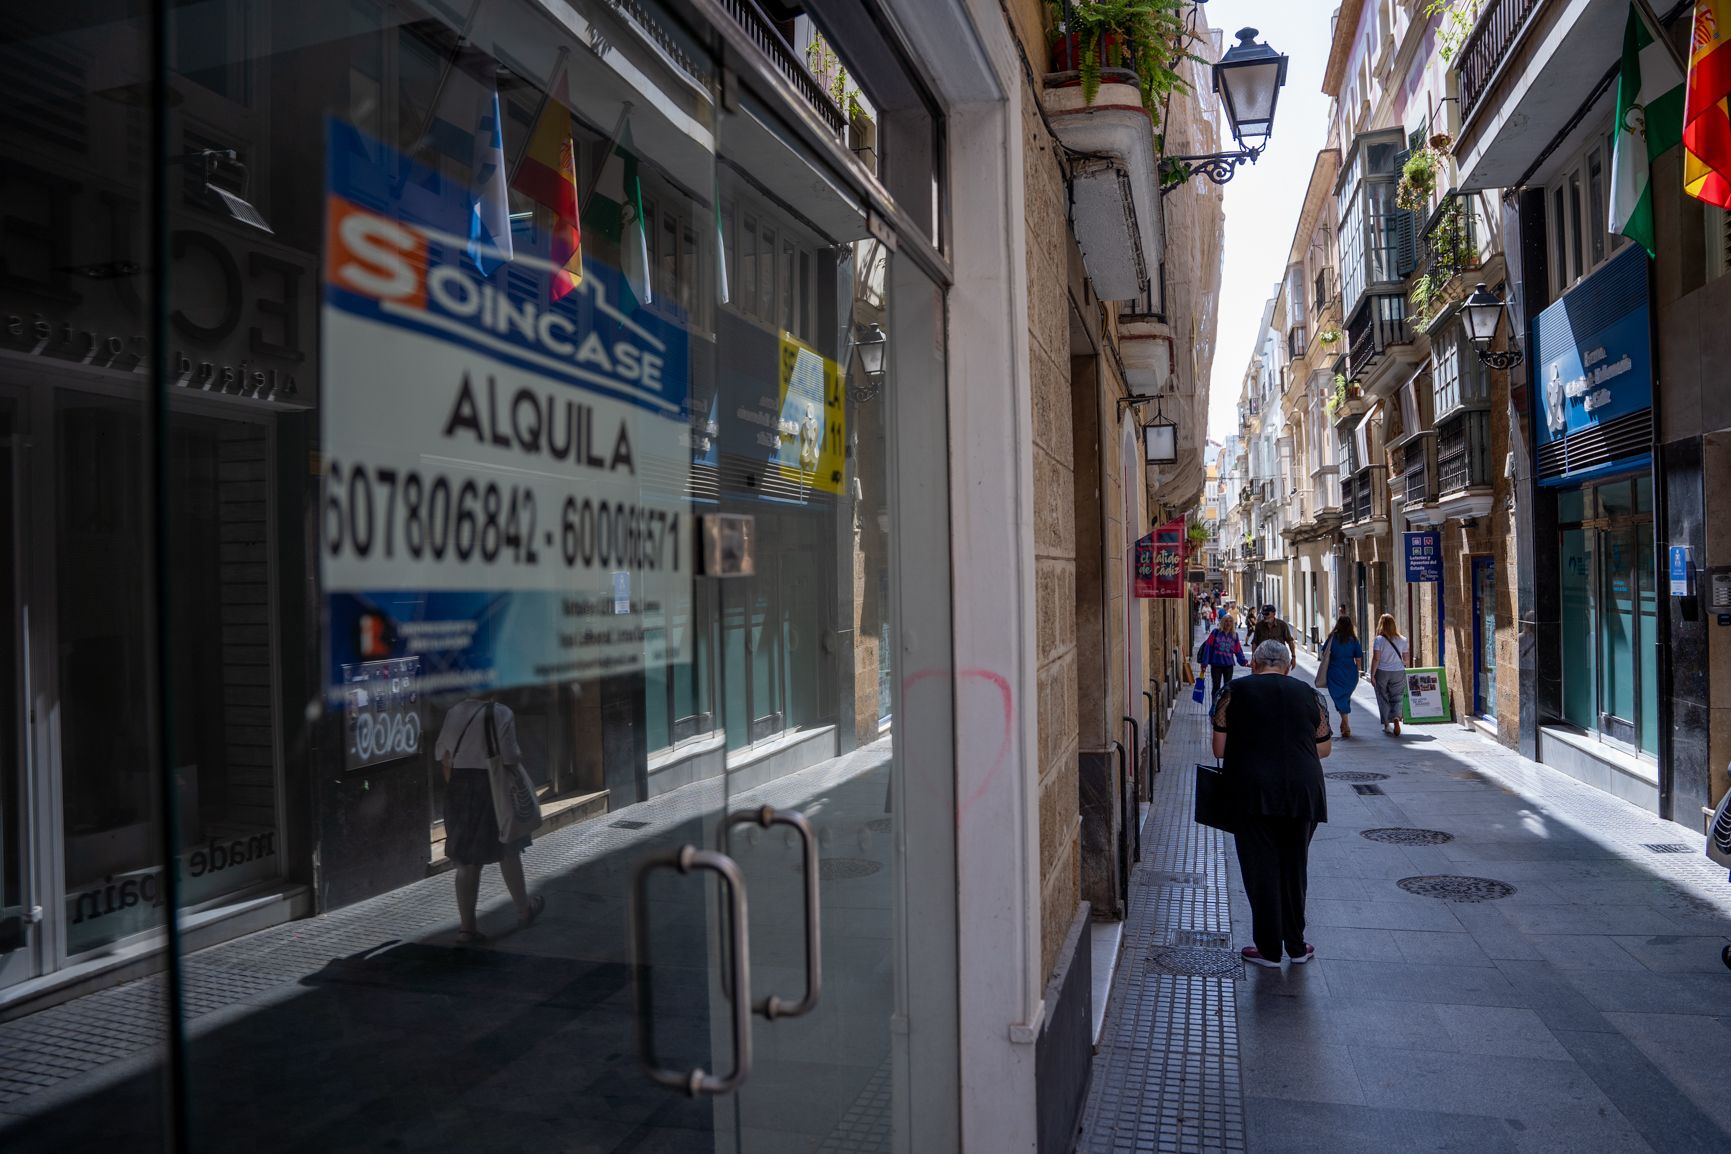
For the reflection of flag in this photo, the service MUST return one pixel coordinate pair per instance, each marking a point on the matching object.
(1706, 119)
(548, 175)
(721, 257)
(633, 241)
(490, 214)
(1649, 122)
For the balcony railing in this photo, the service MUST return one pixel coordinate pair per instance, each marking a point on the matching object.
(1463, 453)
(1364, 497)
(1379, 324)
(1297, 341)
(766, 36)
(1348, 499)
(1488, 45)
(1415, 483)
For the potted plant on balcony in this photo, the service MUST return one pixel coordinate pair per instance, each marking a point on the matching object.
(1417, 180)
(1329, 337)
(1147, 37)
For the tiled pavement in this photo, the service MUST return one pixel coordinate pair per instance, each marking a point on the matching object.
(1586, 1011)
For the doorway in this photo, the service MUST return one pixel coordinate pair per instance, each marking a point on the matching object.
(1484, 636)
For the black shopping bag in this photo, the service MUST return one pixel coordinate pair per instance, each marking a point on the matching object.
(1214, 801)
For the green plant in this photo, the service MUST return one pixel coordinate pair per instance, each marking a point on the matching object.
(1458, 18)
(1450, 240)
(1329, 336)
(1335, 400)
(1417, 180)
(1420, 299)
(1146, 36)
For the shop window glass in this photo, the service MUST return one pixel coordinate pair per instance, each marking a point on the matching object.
(1580, 658)
(1643, 494)
(1596, 206)
(1647, 657)
(1617, 626)
(1572, 506)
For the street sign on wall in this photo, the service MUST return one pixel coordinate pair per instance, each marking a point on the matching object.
(1423, 557)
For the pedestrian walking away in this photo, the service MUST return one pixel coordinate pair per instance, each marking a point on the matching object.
(1220, 651)
(1272, 628)
(1388, 672)
(471, 824)
(1339, 669)
(1271, 732)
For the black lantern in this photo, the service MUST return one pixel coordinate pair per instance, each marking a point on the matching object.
(1160, 442)
(869, 345)
(1248, 79)
(1481, 315)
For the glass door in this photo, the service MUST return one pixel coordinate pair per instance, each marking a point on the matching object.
(21, 942)
(1618, 633)
(1484, 636)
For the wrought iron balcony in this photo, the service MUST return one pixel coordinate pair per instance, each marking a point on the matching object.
(1297, 340)
(1415, 483)
(1364, 497)
(1488, 45)
(1379, 324)
(1463, 453)
(766, 36)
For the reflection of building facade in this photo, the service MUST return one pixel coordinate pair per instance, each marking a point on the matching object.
(686, 475)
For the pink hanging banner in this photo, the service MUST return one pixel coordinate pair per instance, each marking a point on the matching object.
(1144, 582)
(1170, 551)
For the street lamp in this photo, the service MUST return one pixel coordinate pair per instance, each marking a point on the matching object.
(1159, 435)
(1248, 80)
(869, 344)
(1481, 314)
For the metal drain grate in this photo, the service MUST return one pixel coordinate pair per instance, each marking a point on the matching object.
(1665, 846)
(1453, 888)
(1394, 835)
(843, 868)
(627, 823)
(1211, 939)
(1356, 775)
(1197, 961)
(1368, 790)
(1171, 879)
(881, 824)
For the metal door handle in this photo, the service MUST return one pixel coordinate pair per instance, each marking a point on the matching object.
(686, 860)
(773, 1007)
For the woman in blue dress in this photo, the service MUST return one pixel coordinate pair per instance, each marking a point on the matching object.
(1345, 658)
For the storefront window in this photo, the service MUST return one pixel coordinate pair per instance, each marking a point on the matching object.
(512, 375)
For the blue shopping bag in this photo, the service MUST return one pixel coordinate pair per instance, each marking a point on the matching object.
(1197, 692)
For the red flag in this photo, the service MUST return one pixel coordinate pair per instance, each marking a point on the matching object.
(1707, 107)
(548, 175)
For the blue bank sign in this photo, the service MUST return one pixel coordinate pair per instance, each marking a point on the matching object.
(1594, 369)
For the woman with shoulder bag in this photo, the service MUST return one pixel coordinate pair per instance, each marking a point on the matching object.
(1345, 661)
(1220, 651)
(1388, 671)
(467, 739)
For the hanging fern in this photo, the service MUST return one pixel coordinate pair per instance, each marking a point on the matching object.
(1151, 33)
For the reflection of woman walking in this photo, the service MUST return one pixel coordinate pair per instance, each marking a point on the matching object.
(1388, 672)
(471, 826)
(1345, 664)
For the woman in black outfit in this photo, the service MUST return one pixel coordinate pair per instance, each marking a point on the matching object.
(1272, 732)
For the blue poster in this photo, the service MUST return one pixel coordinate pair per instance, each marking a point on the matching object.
(1423, 557)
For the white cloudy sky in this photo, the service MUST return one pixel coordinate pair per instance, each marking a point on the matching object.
(1262, 202)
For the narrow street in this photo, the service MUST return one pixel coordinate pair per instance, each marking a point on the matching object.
(1562, 992)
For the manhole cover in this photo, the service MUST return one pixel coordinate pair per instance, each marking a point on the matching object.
(626, 823)
(841, 868)
(1452, 888)
(1213, 939)
(1367, 790)
(881, 824)
(1665, 846)
(1197, 961)
(1356, 775)
(1398, 836)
